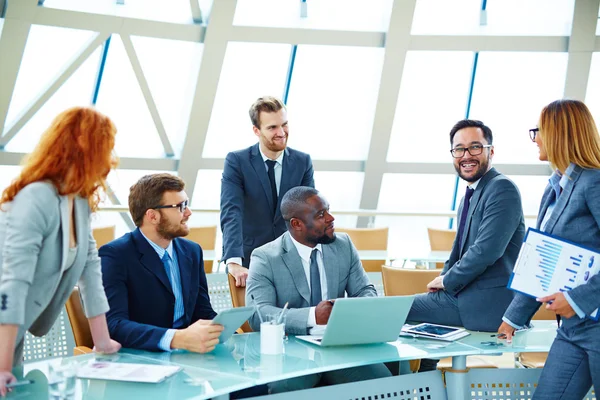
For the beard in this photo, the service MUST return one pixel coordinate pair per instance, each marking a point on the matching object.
(273, 145)
(170, 231)
(325, 239)
(481, 170)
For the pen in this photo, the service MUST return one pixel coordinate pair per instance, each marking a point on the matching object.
(280, 317)
(19, 383)
(257, 309)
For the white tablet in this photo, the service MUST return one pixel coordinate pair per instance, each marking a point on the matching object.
(231, 320)
(433, 330)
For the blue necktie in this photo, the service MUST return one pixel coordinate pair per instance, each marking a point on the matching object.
(176, 287)
(168, 264)
(463, 215)
(315, 280)
(271, 173)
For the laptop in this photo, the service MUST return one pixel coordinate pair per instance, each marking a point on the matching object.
(363, 320)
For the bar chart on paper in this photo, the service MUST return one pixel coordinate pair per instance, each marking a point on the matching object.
(547, 265)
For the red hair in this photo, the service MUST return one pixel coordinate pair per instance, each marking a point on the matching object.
(75, 154)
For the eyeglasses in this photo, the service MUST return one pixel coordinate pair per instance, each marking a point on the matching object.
(473, 150)
(182, 206)
(533, 133)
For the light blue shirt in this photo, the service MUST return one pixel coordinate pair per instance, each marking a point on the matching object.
(558, 182)
(175, 279)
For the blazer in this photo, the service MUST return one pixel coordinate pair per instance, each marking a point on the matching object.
(34, 280)
(247, 218)
(479, 267)
(575, 217)
(277, 276)
(139, 292)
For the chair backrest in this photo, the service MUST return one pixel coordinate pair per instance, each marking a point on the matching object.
(441, 240)
(58, 342)
(103, 235)
(238, 298)
(206, 237)
(402, 282)
(368, 239)
(543, 313)
(79, 323)
(218, 291)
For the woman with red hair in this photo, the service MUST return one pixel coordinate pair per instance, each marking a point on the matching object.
(46, 245)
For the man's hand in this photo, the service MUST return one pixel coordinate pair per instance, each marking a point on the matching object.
(5, 377)
(559, 304)
(506, 331)
(239, 273)
(200, 337)
(323, 311)
(435, 284)
(109, 347)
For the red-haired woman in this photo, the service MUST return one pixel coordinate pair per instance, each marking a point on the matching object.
(46, 245)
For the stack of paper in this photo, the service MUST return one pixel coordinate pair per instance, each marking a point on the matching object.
(148, 373)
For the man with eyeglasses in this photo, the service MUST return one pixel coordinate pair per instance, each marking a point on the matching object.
(154, 279)
(471, 289)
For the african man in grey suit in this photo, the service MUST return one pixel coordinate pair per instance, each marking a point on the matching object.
(305, 267)
(471, 290)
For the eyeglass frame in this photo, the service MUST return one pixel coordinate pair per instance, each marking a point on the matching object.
(465, 149)
(533, 133)
(182, 206)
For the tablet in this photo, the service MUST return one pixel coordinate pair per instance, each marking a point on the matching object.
(231, 320)
(434, 330)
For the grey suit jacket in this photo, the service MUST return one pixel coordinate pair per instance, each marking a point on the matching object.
(575, 217)
(276, 276)
(479, 267)
(34, 242)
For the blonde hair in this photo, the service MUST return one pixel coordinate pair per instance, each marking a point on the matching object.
(569, 135)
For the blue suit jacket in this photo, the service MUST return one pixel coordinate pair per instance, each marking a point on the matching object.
(479, 267)
(247, 218)
(139, 292)
(576, 217)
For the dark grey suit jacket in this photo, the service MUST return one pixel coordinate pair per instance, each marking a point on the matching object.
(277, 276)
(247, 218)
(575, 217)
(479, 267)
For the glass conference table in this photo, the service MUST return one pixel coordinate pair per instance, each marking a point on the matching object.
(238, 364)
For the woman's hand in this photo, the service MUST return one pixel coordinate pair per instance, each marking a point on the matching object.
(506, 331)
(5, 377)
(109, 347)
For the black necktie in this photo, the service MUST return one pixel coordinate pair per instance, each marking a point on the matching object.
(463, 214)
(271, 173)
(315, 280)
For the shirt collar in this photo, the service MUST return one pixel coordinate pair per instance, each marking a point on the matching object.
(305, 251)
(159, 250)
(279, 159)
(558, 181)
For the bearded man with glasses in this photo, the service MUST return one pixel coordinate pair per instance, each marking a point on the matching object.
(471, 289)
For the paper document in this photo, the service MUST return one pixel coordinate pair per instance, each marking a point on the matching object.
(407, 330)
(548, 264)
(148, 373)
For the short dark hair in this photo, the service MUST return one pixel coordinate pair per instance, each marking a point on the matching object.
(264, 104)
(294, 200)
(148, 192)
(471, 123)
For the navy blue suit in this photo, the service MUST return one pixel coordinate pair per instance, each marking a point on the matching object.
(139, 292)
(247, 218)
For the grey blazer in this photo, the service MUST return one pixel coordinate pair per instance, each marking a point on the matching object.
(575, 217)
(479, 267)
(34, 242)
(276, 276)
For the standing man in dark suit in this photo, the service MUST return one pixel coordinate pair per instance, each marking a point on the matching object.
(471, 290)
(254, 181)
(154, 279)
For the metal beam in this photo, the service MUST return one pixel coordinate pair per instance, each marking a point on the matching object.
(196, 11)
(154, 164)
(581, 48)
(53, 87)
(143, 83)
(396, 47)
(215, 45)
(489, 43)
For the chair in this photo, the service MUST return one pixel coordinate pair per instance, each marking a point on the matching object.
(103, 235)
(58, 342)
(368, 239)
(79, 323)
(403, 282)
(238, 299)
(206, 237)
(536, 359)
(441, 240)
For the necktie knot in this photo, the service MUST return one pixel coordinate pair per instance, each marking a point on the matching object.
(271, 164)
(469, 193)
(166, 257)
